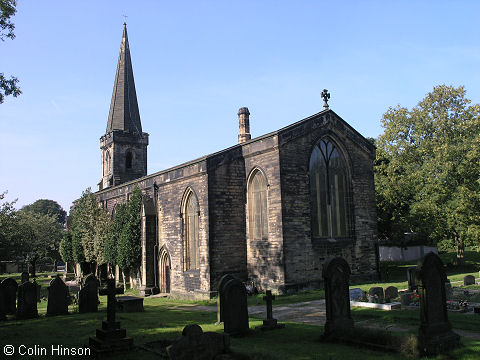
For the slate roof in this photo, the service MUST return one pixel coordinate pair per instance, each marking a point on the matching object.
(124, 114)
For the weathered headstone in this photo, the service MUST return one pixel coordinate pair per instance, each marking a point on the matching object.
(469, 280)
(435, 332)
(356, 294)
(194, 344)
(336, 275)
(235, 308)
(27, 301)
(25, 276)
(377, 293)
(270, 323)
(58, 297)
(411, 278)
(406, 298)
(391, 292)
(88, 296)
(130, 304)
(9, 287)
(221, 296)
(110, 338)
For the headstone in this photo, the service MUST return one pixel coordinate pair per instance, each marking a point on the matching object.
(221, 296)
(235, 308)
(336, 275)
(448, 290)
(130, 304)
(377, 293)
(469, 280)
(25, 276)
(270, 323)
(194, 344)
(27, 301)
(411, 278)
(58, 297)
(110, 338)
(406, 298)
(88, 296)
(356, 294)
(391, 292)
(435, 332)
(3, 314)
(9, 287)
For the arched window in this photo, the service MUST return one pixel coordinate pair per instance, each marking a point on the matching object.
(190, 218)
(257, 206)
(108, 161)
(328, 192)
(128, 159)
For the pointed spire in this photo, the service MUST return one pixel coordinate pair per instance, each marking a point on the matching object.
(124, 114)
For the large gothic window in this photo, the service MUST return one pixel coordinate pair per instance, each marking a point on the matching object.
(328, 192)
(191, 219)
(257, 206)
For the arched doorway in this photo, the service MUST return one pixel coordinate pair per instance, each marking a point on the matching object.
(164, 270)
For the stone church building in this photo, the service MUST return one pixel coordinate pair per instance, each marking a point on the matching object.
(269, 210)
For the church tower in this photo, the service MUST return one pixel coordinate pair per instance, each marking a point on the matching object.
(124, 145)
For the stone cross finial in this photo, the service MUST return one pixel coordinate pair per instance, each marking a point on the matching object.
(325, 95)
(111, 291)
(269, 298)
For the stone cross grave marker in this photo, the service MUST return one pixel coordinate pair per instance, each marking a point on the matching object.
(235, 309)
(110, 338)
(27, 301)
(221, 296)
(435, 332)
(469, 280)
(58, 297)
(9, 287)
(336, 275)
(88, 295)
(25, 276)
(270, 323)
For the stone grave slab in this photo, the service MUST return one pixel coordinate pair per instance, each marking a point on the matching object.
(469, 280)
(10, 288)
(129, 304)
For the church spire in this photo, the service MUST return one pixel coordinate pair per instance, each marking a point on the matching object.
(124, 114)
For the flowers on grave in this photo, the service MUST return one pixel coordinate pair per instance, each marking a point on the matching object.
(415, 299)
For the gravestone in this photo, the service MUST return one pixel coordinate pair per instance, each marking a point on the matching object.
(469, 280)
(235, 308)
(448, 290)
(391, 292)
(221, 296)
(411, 278)
(406, 298)
(130, 304)
(58, 297)
(356, 294)
(9, 287)
(110, 338)
(3, 314)
(25, 276)
(27, 301)
(336, 275)
(377, 293)
(88, 295)
(194, 344)
(435, 332)
(270, 323)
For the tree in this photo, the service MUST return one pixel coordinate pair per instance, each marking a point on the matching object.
(7, 10)
(66, 248)
(110, 251)
(427, 170)
(37, 237)
(48, 207)
(7, 227)
(129, 243)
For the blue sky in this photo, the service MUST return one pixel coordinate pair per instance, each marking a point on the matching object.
(196, 62)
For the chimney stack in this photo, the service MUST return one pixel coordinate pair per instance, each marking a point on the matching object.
(243, 125)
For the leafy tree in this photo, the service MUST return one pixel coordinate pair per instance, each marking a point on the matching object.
(51, 207)
(110, 251)
(66, 248)
(129, 242)
(102, 232)
(427, 170)
(7, 227)
(37, 237)
(7, 10)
